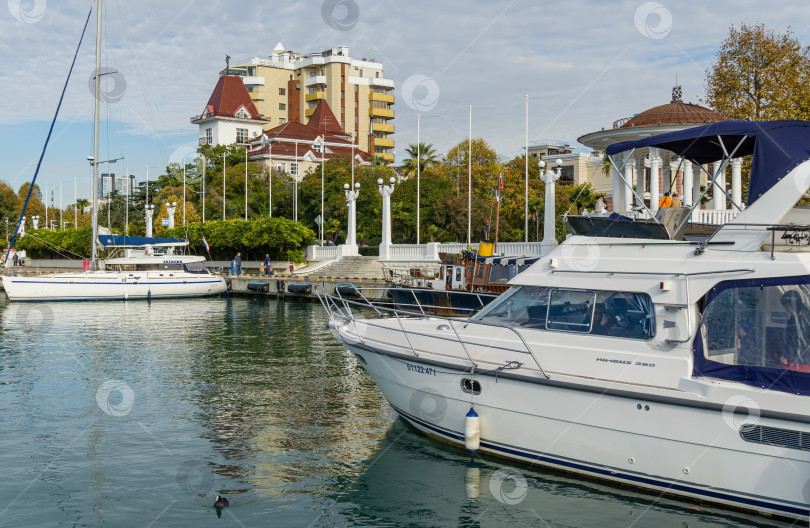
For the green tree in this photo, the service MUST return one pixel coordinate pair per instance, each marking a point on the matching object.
(759, 74)
(423, 151)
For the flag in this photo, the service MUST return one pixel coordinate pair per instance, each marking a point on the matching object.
(207, 247)
(500, 182)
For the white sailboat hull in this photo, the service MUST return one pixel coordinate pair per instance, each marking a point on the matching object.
(676, 448)
(106, 285)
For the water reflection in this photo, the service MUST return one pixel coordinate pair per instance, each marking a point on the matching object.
(412, 480)
(129, 413)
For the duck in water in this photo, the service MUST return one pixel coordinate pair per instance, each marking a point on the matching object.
(221, 502)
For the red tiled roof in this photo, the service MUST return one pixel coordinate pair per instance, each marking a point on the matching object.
(229, 96)
(674, 113)
(289, 150)
(324, 119)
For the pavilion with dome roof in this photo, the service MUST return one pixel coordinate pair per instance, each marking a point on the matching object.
(672, 174)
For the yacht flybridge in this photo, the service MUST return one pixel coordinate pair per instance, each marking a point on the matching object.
(648, 352)
(148, 269)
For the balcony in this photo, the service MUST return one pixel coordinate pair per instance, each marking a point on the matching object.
(383, 142)
(315, 96)
(384, 97)
(256, 96)
(387, 156)
(312, 81)
(385, 113)
(385, 129)
(309, 112)
(384, 83)
(253, 80)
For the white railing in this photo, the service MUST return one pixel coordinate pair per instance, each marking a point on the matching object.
(318, 253)
(714, 216)
(407, 251)
(519, 249)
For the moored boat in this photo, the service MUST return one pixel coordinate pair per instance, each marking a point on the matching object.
(679, 364)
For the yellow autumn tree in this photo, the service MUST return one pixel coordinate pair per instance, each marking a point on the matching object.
(760, 74)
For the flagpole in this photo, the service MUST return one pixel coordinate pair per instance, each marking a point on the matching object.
(526, 206)
(498, 212)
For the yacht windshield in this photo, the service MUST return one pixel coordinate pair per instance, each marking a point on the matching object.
(627, 315)
(757, 332)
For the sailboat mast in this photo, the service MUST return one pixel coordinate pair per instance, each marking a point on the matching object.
(94, 183)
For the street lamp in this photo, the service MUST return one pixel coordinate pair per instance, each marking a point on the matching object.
(550, 177)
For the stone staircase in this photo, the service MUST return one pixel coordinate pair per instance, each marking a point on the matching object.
(350, 268)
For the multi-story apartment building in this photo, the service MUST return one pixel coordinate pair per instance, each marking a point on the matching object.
(287, 86)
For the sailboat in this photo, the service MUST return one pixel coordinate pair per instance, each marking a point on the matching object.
(149, 269)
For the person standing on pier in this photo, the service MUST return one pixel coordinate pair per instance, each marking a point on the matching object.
(238, 261)
(268, 265)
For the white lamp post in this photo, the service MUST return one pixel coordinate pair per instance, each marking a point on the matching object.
(35, 221)
(150, 211)
(170, 207)
(550, 177)
(351, 232)
(386, 191)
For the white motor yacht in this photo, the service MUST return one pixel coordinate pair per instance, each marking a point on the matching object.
(665, 360)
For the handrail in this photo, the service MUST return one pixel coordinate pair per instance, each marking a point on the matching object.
(320, 290)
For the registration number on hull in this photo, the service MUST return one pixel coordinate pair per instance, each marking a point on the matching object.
(419, 369)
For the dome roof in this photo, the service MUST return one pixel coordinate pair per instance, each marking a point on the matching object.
(676, 112)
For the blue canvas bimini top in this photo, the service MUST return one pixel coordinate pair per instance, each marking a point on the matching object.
(777, 146)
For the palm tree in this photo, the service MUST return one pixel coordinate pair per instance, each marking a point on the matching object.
(605, 165)
(378, 160)
(425, 152)
(82, 203)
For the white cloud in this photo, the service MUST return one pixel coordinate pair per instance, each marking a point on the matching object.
(584, 64)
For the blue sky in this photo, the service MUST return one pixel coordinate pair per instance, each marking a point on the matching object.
(583, 64)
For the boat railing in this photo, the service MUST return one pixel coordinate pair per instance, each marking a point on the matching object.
(339, 308)
(416, 306)
(791, 234)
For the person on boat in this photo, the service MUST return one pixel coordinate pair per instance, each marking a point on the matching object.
(796, 355)
(16, 260)
(665, 201)
(268, 265)
(238, 261)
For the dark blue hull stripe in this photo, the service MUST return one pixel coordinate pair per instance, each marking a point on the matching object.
(581, 467)
(96, 283)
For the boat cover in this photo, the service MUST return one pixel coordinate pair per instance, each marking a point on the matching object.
(133, 241)
(508, 261)
(777, 146)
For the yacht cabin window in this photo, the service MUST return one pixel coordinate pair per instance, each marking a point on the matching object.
(757, 332)
(764, 326)
(626, 315)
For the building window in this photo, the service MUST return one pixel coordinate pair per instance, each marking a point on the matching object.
(356, 88)
(312, 89)
(242, 114)
(293, 169)
(356, 119)
(342, 109)
(342, 94)
(209, 135)
(282, 120)
(313, 104)
(251, 71)
(361, 73)
(282, 91)
(567, 177)
(281, 166)
(311, 74)
(317, 147)
(282, 106)
(241, 135)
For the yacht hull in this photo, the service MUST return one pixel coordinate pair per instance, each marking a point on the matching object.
(110, 286)
(667, 448)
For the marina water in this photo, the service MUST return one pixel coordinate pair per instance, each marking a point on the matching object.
(139, 414)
